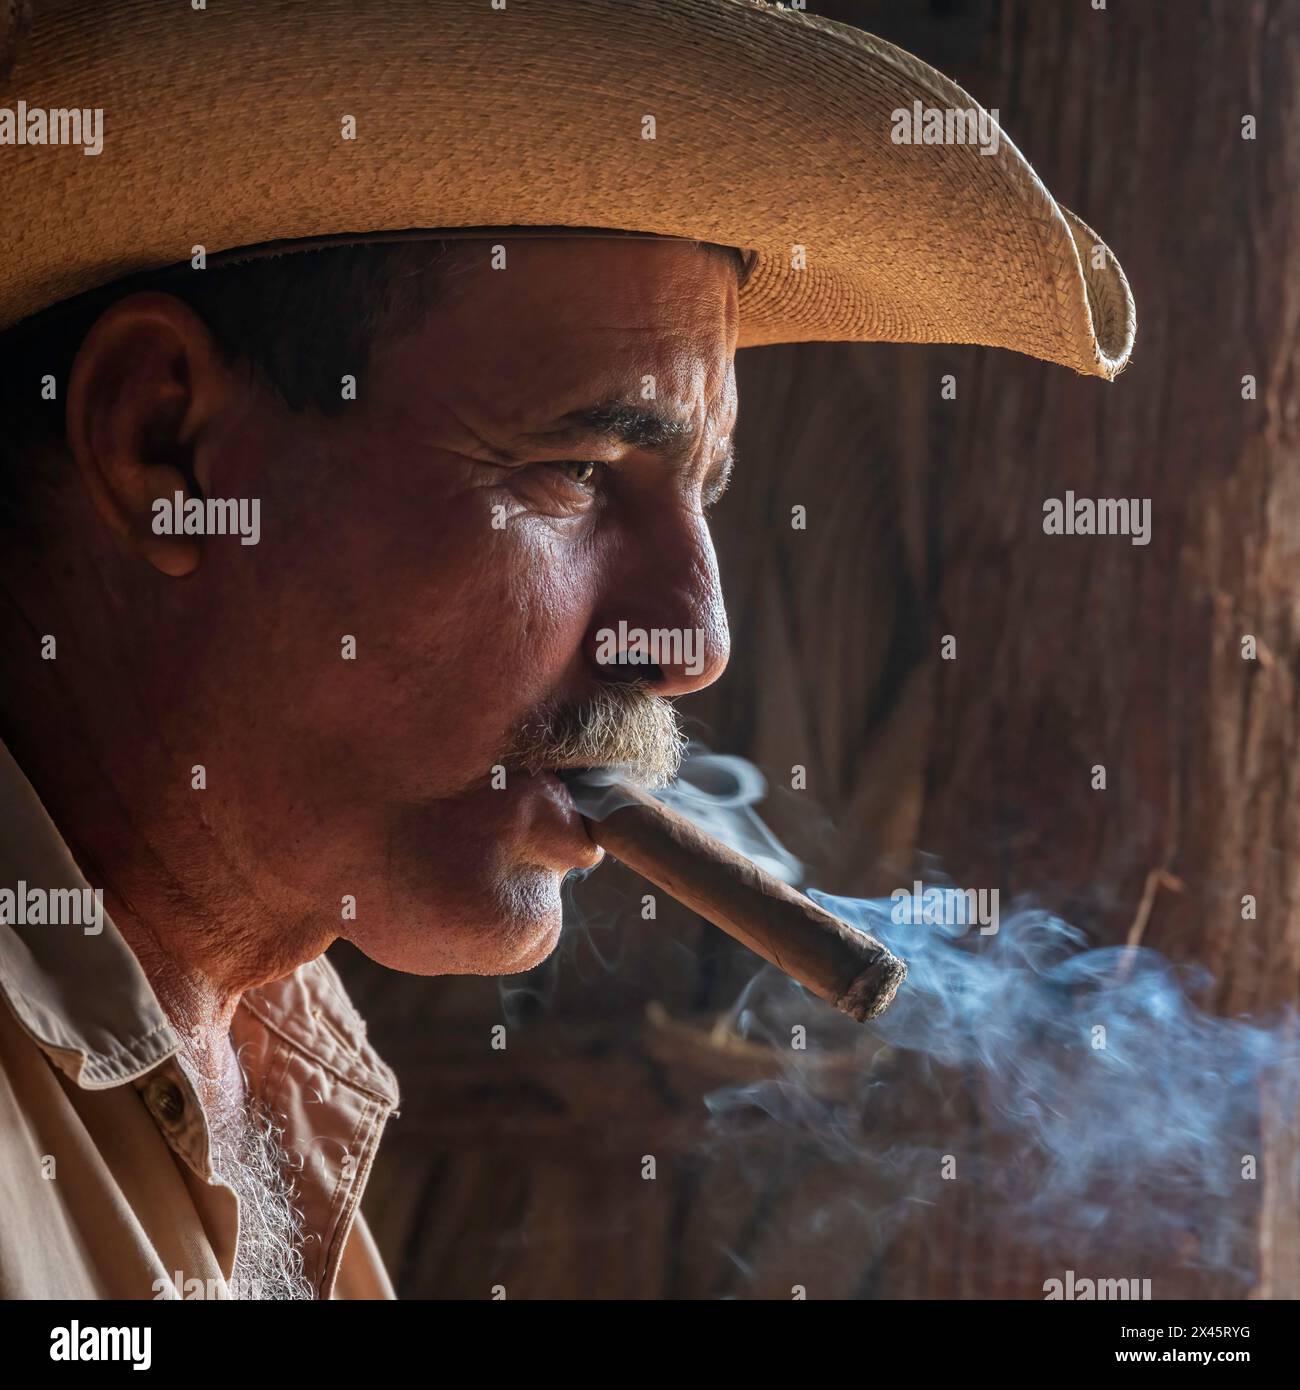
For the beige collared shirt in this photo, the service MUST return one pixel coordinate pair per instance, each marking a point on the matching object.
(108, 1189)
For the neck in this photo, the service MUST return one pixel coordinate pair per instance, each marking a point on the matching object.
(111, 762)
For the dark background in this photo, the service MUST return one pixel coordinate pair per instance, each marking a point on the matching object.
(524, 1168)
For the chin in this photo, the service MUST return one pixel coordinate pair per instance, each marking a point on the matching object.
(503, 930)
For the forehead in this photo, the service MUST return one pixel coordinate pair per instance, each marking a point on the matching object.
(570, 321)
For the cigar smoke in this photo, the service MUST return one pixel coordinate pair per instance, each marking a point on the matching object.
(1117, 1121)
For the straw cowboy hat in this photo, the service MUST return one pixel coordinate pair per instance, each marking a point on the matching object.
(807, 144)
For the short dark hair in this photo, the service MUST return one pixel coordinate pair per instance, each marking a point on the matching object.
(300, 318)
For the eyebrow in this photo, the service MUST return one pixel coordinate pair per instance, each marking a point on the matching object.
(637, 426)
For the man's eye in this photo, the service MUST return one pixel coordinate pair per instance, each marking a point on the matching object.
(581, 473)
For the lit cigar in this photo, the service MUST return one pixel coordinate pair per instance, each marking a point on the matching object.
(847, 968)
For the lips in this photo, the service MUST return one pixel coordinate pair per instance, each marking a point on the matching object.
(554, 779)
(568, 777)
(580, 850)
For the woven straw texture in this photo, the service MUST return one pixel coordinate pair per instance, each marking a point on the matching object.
(223, 128)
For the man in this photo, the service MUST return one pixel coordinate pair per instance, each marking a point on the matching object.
(308, 555)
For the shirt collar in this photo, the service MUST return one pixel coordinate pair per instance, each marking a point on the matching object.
(84, 999)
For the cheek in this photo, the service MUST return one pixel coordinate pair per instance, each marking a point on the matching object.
(461, 627)
(516, 611)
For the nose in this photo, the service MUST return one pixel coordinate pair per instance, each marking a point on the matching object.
(661, 618)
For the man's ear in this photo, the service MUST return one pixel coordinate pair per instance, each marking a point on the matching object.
(147, 382)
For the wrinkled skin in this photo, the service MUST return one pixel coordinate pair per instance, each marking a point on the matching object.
(367, 777)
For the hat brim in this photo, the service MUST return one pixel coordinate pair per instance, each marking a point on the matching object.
(719, 120)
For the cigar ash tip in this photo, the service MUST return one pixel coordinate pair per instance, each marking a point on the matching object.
(872, 992)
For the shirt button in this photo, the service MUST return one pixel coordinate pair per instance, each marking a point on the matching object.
(168, 1103)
